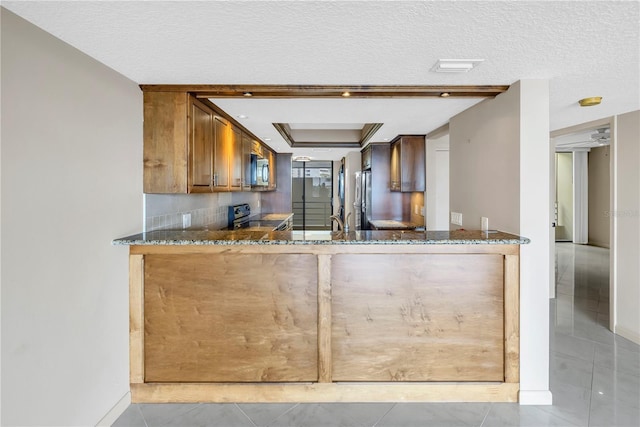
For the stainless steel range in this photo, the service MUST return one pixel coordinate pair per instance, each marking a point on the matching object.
(240, 218)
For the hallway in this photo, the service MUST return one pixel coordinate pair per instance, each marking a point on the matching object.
(595, 376)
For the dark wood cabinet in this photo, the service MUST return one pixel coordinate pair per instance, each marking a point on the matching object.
(407, 168)
(366, 158)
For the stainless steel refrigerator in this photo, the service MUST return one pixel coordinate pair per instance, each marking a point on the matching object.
(362, 204)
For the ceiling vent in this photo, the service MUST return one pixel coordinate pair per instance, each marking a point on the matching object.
(456, 65)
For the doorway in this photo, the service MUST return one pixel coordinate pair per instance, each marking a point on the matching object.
(312, 189)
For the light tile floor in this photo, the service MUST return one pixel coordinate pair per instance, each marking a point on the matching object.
(594, 378)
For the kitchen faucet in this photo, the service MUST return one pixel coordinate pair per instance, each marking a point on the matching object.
(346, 223)
(339, 221)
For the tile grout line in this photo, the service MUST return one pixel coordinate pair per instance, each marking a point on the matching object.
(144, 420)
(487, 414)
(245, 414)
(591, 388)
(282, 414)
(384, 415)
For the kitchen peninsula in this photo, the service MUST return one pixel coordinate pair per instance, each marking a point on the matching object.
(294, 316)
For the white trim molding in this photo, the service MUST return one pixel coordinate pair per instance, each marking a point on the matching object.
(628, 334)
(535, 397)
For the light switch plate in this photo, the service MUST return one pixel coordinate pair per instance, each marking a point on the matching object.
(186, 220)
(456, 218)
(484, 223)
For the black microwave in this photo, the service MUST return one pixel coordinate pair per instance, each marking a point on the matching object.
(259, 171)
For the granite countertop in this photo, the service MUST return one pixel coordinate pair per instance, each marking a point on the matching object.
(391, 224)
(264, 237)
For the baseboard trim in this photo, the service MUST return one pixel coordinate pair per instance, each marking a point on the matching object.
(116, 411)
(628, 334)
(535, 397)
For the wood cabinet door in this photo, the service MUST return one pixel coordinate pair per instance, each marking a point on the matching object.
(395, 166)
(246, 162)
(222, 143)
(236, 159)
(200, 147)
(272, 170)
(410, 317)
(412, 163)
(165, 131)
(230, 318)
(366, 158)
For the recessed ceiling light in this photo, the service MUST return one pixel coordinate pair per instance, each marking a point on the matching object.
(267, 139)
(445, 95)
(247, 94)
(589, 102)
(242, 116)
(455, 65)
(346, 94)
(385, 139)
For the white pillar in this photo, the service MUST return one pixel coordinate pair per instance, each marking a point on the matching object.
(535, 223)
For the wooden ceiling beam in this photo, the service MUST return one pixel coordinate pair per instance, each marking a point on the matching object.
(328, 91)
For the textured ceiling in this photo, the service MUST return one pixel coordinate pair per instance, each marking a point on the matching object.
(585, 48)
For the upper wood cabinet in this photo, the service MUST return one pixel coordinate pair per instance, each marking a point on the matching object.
(165, 135)
(407, 169)
(247, 143)
(366, 158)
(271, 155)
(190, 148)
(200, 173)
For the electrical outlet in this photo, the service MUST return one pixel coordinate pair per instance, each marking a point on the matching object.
(186, 220)
(456, 218)
(484, 223)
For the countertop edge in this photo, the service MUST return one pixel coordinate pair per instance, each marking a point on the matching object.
(268, 242)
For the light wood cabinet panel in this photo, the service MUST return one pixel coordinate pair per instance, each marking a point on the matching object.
(235, 160)
(273, 166)
(165, 133)
(200, 146)
(222, 143)
(247, 143)
(394, 170)
(408, 163)
(230, 318)
(417, 317)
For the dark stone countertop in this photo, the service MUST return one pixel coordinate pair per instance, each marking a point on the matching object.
(262, 237)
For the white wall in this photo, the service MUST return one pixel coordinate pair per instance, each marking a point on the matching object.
(484, 163)
(599, 196)
(499, 168)
(71, 182)
(626, 226)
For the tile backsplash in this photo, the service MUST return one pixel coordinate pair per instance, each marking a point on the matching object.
(164, 211)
